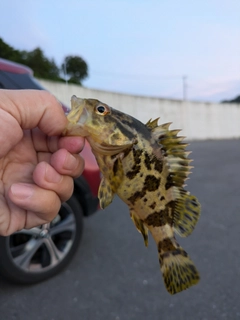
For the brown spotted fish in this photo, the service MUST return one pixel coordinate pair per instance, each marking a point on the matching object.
(146, 166)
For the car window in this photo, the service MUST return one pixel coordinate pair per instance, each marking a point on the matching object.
(9, 80)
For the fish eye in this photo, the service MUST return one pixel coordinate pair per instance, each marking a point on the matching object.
(101, 109)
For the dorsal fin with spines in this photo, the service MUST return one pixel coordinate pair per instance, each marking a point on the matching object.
(174, 150)
(186, 207)
(152, 124)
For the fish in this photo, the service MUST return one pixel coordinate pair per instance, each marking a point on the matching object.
(146, 165)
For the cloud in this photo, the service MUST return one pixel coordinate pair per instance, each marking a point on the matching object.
(216, 90)
(152, 44)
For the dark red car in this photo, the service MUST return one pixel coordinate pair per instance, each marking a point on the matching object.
(29, 256)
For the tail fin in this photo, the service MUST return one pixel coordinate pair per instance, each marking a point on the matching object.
(179, 272)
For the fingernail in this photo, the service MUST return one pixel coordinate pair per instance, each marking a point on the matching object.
(22, 190)
(70, 162)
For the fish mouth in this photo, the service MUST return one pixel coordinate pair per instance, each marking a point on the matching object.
(77, 117)
(78, 113)
(83, 117)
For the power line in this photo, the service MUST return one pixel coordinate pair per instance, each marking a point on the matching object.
(146, 77)
(137, 76)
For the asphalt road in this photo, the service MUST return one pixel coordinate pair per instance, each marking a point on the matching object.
(114, 277)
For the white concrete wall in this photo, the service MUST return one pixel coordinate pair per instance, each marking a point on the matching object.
(198, 120)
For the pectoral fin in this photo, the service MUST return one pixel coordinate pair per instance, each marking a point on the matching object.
(111, 181)
(105, 193)
(140, 227)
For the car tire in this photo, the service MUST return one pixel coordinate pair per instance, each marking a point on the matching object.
(34, 255)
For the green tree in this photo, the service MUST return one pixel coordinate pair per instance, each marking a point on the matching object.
(235, 100)
(42, 66)
(8, 52)
(35, 59)
(76, 68)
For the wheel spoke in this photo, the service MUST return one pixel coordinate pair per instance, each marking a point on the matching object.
(45, 226)
(24, 259)
(68, 224)
(55, 254)
(17, 250)
(23, 254)
(31, 232)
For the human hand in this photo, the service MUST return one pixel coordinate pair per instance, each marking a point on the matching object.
(37, 165)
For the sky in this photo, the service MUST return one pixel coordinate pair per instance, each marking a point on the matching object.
(159, 48)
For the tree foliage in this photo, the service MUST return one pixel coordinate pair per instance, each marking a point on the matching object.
(76, 68)
(43, 67)
(8, 52)
(235, 100)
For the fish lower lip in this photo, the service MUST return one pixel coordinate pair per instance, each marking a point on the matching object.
(76, 101)
(83, 117)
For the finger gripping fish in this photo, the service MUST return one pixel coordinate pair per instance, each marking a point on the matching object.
(146, 165)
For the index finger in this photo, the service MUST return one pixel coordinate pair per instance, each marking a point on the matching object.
(34, 108)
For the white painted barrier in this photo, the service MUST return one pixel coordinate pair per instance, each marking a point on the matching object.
(198, 120)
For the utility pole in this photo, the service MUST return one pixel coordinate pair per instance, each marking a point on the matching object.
(185, 86)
